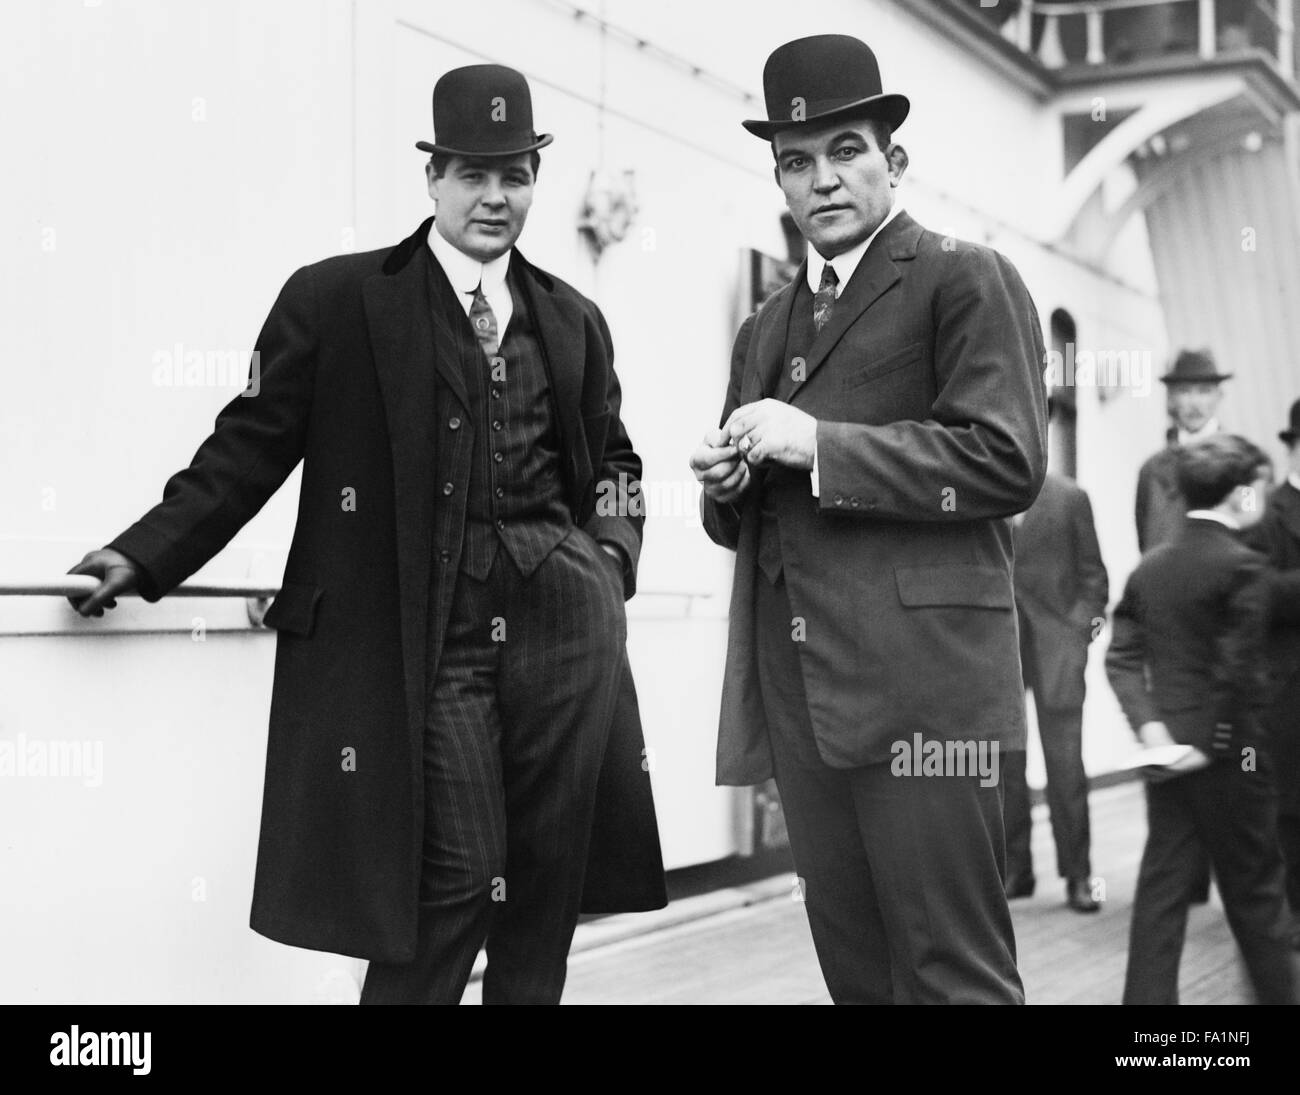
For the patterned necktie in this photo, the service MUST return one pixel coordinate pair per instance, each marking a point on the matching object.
(824, 300)
(484, 322)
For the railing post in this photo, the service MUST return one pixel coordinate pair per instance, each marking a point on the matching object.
(1286, 38)
(1096, 49)
(1025, 26)
(1206, 29)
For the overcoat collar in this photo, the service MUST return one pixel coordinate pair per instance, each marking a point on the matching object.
(876, 273)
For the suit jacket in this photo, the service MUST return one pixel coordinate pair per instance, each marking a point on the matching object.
(1187, 641)
(927, 385)
(348, 356)
(1061, 587)
(1159, 508)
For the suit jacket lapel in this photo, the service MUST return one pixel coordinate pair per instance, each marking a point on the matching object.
(768, 347)
(876, 273)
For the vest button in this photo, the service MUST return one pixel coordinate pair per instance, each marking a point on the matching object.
(496, 393)
(453, 424)
(444, 555)
(500, 492)
(853, 502)
(447, 488)
(839, 499)
(500, 523)
(498, 425)
(498, 457)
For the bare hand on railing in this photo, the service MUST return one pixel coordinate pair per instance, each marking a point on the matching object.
(117, 576)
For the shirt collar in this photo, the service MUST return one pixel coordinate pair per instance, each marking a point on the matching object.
(1190, 437)
(464, 272)
(845, 264)
(1214, 515)
(1294, 479)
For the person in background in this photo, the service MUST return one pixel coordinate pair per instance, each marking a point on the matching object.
(1277, 536)
(1193, 389)
(1187, 662)
(1061, 595)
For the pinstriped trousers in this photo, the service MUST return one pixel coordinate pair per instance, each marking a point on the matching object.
(518, 718)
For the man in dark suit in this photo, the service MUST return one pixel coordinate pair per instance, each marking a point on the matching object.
(455, 753)
(1193, 391)
(1061, 593)
(1277, 536)
(1187, 662)
(885, 411)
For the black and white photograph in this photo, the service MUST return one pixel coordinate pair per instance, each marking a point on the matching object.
(624, 503)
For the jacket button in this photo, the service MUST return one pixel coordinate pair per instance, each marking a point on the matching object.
(500, 523)
(453, 424)
(497, 425)
(498, 456)
(445, 555)
(447, 488)
(500, 492)
(496, 393)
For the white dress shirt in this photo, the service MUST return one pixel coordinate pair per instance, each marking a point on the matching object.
(1294, 479)
(1214, 515)
(843, 265)
(466, 274)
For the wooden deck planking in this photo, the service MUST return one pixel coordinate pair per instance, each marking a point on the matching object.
(764, 954)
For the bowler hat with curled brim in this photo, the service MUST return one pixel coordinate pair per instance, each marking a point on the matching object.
(483, 110)
(1289, 435)
(1194, 367)
(812, 81)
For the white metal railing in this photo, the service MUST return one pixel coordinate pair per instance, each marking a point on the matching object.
(73, 585)
(1020, 27)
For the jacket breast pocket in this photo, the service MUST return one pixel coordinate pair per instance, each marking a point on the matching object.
(294, 609)
(954, 584)
(883, 366)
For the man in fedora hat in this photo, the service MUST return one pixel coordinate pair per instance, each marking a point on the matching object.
(1193, 394)
(1277, 535)
(455, 754)
(885, 413)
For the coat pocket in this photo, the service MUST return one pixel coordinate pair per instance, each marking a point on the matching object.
(294, 609)
(965, 585)
(899, 359)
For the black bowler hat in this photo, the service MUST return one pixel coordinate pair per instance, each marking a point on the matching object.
(483, 110)
(820, 78)
(1194, 367)
(1288, 436)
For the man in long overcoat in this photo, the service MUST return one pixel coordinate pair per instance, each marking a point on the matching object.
(455, 754)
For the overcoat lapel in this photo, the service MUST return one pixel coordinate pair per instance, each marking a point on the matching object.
(559, 326)
(401, 320)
